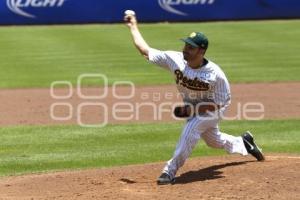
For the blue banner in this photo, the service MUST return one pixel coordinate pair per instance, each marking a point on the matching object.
(111, 11)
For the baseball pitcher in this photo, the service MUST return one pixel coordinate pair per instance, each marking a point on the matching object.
(206, 95)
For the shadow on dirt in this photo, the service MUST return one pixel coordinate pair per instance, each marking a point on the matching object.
(208, 173)
(128, 181)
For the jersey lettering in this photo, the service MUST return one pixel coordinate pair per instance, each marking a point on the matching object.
(193, 84)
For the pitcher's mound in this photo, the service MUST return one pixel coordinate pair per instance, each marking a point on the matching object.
(227, 177)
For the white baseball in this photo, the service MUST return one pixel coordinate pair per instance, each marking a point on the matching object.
(129, 12)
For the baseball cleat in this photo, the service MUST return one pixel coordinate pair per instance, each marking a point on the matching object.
(251, 147)
(165, 179)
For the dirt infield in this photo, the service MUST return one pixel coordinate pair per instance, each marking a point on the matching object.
(228, 177)
(33, 106)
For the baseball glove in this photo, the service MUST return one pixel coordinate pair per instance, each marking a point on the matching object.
(183, 111)
(189, 111)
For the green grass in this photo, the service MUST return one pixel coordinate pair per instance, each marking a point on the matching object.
(39, 149)
(252, 51)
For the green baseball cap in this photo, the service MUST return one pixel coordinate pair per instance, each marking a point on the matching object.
(197, 39)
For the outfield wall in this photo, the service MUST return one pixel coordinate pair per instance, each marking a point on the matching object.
(111, 11)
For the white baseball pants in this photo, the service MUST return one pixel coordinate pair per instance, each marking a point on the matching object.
(207, 129)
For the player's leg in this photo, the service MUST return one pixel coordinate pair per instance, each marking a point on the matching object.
(232, 144)
(216, 139)
(188, 139)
